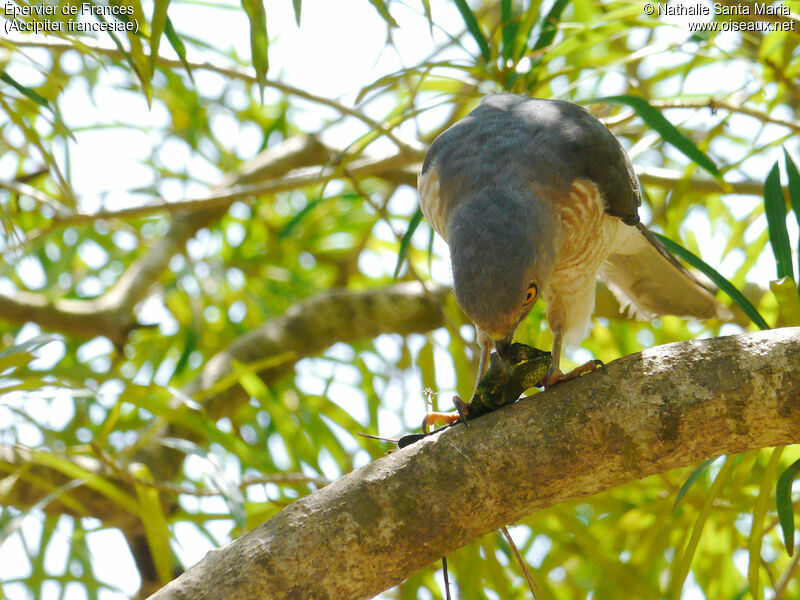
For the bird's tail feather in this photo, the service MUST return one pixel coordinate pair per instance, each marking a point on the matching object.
(649, 281)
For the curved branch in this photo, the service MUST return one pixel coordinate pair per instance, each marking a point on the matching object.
(306, 329)
(309, 327)
(653, 411)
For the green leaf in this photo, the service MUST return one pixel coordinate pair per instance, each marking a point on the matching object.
(785, 291)
(177, 45)
(404, 243)
(775, 209)
(794, 195)
(147, 85)
(474, 29)
(295, 220)
(384, 12)
(690, 481)
(60, 493)
(157, 26)
(668, 131)
(794, 184)
(258, 38)
(32, 344)
(550, 25)
(720, 281)
(21, 354)
(759, 514)
(426, 5)
(92, 480)
(683, 565)
(189, 345)
(155, 525)
(783, 499)
(510, 18)
(297, 5)
(26, 91)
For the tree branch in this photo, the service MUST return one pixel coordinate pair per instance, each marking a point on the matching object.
(112, 314)
(653, 411)
(309, 327)
(306, 329)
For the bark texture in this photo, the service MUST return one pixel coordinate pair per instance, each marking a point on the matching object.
(651, 412)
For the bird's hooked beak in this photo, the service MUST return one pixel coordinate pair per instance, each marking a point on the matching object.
(504, 345)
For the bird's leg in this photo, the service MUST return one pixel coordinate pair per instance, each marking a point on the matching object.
(554, 372)
(555, 376)
(483, 365)
(461, 406)
(440, 417)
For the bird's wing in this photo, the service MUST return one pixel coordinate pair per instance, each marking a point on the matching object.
(649, 281)
(558, 142)
(430, 202)
(530, 144)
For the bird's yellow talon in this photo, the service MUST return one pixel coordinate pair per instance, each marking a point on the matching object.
(436, 417)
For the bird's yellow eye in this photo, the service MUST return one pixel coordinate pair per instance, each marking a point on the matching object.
(530, 294)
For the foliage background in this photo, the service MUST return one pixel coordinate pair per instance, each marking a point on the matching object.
(106, 368)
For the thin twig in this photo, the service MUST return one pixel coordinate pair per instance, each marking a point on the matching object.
(535, 590)
(712, 104)
(232, 73)
(299, 178)
(446, 579)
(175, 489)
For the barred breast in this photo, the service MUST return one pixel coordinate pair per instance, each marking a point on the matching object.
(587, 236)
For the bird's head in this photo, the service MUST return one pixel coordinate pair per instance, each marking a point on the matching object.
(502, 249)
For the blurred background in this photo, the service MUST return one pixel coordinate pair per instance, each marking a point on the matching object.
(201, 302)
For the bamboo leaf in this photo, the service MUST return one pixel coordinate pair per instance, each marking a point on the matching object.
(155, 525)
(404, 243)
(690, 481)
(794, 196)
(157, 25)
(720, 281)
(258, 39)
(783, 500)
(475, 30)
(297, 6)
(668, 131)
(426, 5)
(550, 25)
(383, 11)
(785, 291)
(177, 45)
(510, 27)
(32, 344)
(679, 577)
(794, 184)
(147, 85)
(90, 479)
(60, 493)
(757, 528)
(775, 209)
(24, 90)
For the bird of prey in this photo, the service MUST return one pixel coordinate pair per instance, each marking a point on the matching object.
(536, 198)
